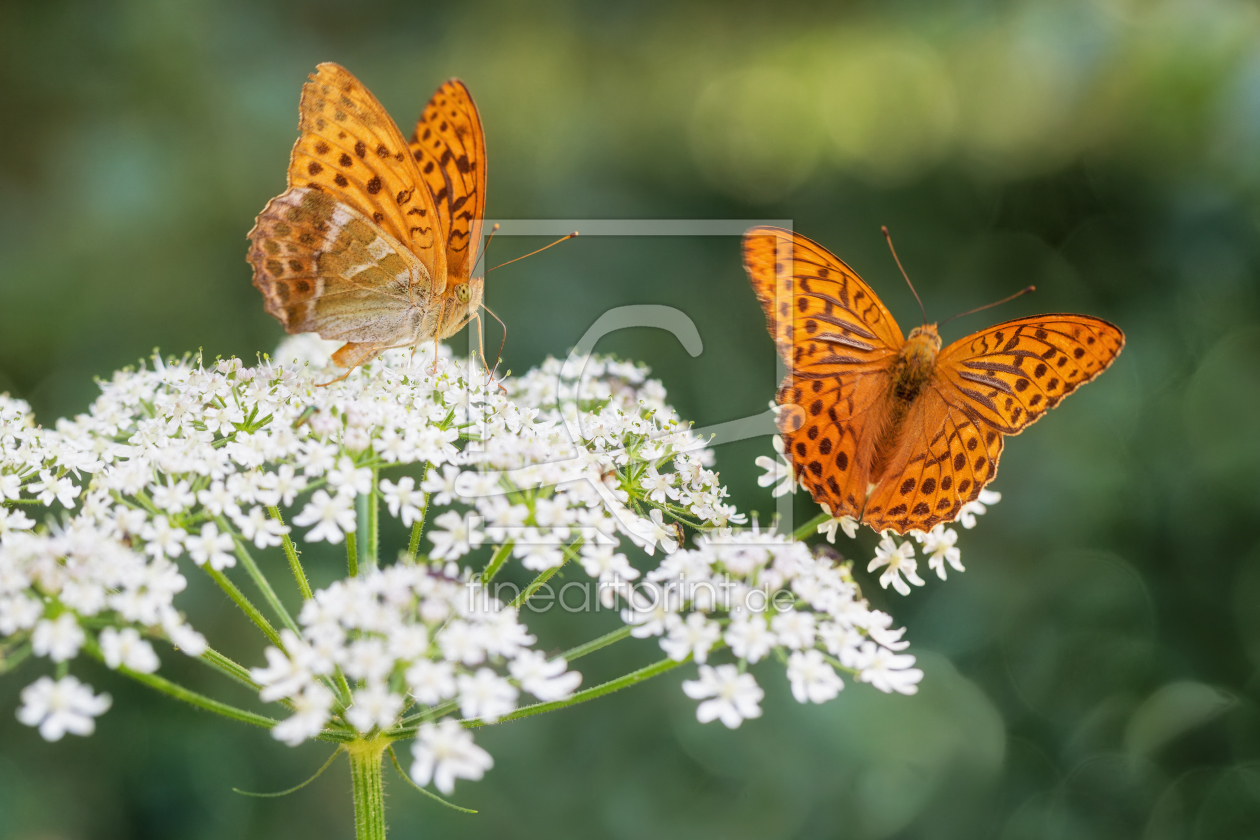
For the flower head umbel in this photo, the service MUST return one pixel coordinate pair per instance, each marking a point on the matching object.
(185, 472)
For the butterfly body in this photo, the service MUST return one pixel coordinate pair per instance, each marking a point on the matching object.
(373, 242)
(898, 432)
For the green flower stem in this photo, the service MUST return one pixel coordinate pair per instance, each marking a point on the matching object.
(260, 580)
(352, 555)
(226, 666)
(187, 695)
(413, 549)
(595, 644)
(570, 551)
(497, 560)
(12, 659)
(295, 788)
(290, 551)
(632, 678)
(366, 756)
(810, 528)
(246, 607)
(366, 525)
(410, 726)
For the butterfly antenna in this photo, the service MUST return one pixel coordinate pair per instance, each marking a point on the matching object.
(531, 253)
(484, 248)
(888, 236)
(499, 355)
(1006, 299)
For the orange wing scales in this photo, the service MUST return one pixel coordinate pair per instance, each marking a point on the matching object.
(351, 148)
(838, 342)
(450, 151)
(1012, 373)
(862, 448)
(364, 247)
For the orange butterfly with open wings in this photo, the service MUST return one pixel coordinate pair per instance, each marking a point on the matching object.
(374, 241)
(896, 432)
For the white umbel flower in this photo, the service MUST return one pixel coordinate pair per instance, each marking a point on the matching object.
(66, 705)
(125, 649)
(59, 639)
(813, 679)
(735, 697)
(444, 752)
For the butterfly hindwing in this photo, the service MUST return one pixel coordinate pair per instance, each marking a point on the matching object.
(324, 267)
(947, 457)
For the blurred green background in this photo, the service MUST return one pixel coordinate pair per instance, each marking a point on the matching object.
(1092, 675)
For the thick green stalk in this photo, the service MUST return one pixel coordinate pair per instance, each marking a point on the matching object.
(369, 794)
(352, 554)
(290, 551)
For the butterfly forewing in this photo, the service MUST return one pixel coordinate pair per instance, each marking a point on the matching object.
(351, 149)
(449, 150)
(838, 342)
(1009, 375)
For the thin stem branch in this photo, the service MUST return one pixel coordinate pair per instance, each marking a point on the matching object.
(363, 531)
(295, 788)
(394, 758)
(187, 695)
(374, 520)
(632, 678)
(290, 551)
(497, 560)
(570, 551)
(229, 668)
(625, 681)
(413, 548)
(244, 603)
(260, 580)
(595, 644)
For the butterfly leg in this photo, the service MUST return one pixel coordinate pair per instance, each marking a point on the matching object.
(353, 355)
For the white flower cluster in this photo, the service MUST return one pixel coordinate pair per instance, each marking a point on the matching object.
(569, 456)
(408, 645)
(761, 594)
(180, 464)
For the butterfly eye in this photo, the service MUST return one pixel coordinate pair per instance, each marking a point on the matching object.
(461, 293)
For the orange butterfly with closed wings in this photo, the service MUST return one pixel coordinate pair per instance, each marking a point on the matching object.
(374, 241)
(892, 431)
